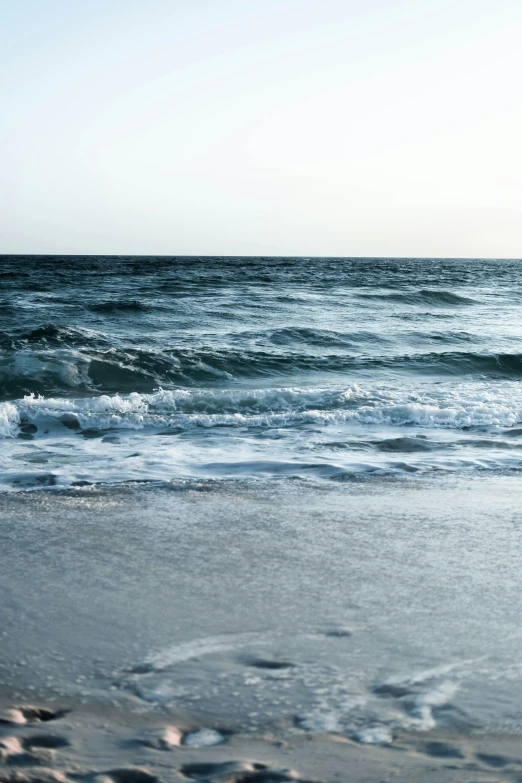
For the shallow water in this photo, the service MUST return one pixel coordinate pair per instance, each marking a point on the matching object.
(124, 369)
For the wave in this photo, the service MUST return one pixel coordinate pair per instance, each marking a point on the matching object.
(163, 472)
(50, 335)
(407, 445)
(67, 370)
(463, 363)
(119, 306)
(446, 337)
(422, 297)
(182, 409)
(292, 335)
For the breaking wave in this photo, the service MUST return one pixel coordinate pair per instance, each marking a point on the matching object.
(458, 408)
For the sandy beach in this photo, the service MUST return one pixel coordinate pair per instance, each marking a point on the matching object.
(108, 745)
(262, 632)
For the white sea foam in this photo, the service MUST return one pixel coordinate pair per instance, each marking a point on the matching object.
(451, 408)
(178, 653)
(275, 432)
(374, 735)
(425, 703)
(203, 738)
(425, 675)
(9, 420)
(319, 722)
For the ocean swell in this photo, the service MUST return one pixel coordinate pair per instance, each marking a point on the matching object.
(65, 370)
(49, 336)
(422, 297)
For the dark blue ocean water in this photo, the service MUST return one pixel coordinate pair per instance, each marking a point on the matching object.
(142, 368)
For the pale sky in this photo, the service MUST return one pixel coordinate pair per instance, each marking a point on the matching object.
(273, 127)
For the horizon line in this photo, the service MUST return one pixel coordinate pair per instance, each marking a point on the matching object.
(261, 255)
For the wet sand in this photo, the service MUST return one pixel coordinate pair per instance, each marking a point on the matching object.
(87, 744)
(262, 632)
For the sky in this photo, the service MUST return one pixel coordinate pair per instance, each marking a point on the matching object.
(261, 127)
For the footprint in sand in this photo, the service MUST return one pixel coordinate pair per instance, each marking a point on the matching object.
(131, 775)
(215, 772)
(21, 715)
(168, 738)
(239, 772)
(43, 775)
(45, 741)
(30, 751)
(491, 760)
(10, 747)
(171, 737)
(442, 750)
(262, 663)
(338, 633)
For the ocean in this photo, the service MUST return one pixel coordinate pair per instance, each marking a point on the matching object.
(172, 369)
(266, 497)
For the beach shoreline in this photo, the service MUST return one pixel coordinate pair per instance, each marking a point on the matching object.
(363, 631)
